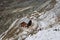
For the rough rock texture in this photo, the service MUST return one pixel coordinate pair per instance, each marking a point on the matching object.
(10, 10)
(45, 22)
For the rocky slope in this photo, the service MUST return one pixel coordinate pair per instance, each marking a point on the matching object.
(45, 22)
(13, 9)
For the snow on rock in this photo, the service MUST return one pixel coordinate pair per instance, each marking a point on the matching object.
(56, 8)
(50, 18)
(47, 20)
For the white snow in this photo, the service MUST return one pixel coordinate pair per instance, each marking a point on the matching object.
(45, 35)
